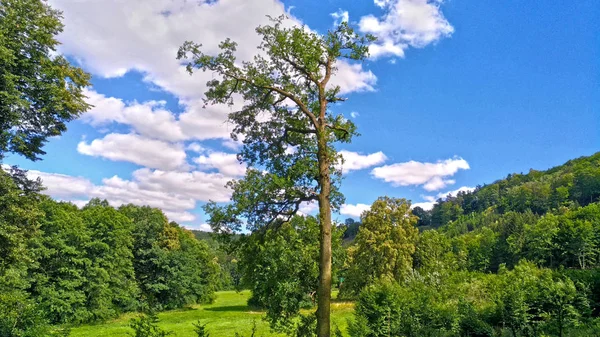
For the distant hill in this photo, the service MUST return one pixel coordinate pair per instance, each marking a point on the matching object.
(575, 183)
(572, 184)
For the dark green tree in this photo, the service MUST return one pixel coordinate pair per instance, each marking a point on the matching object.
(281, 267)
(287, 129)
(20, 219)
(111, 279)
(39, 92)
(172, 268)
(59, 279)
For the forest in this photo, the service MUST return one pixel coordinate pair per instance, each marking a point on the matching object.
(477, 264)
(516, 257)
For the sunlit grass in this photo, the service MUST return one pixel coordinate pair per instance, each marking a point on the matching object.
(227, 315)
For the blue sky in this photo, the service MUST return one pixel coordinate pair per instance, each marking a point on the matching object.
(463, 93)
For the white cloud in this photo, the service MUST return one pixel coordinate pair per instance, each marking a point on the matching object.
(152, 120)
(340, 16)
(354, 210)
(308, 208)
(136, 149)
(356, 161)
(147, 35)
(149, 119)
(351, 77)
(176, 193)
(455, 192)
(405, 23)
(424, 205)
(232, 144)
(204, 227)
(431, 175)
(225, 163)
(201, 186)
(61, 185)
(354, 114)
(195, 147)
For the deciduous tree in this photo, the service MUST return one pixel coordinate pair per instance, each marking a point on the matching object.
(385, 244)
(39, 91)
(287, 129)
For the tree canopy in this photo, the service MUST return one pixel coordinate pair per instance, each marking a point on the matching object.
(287, 129)
(40, 91)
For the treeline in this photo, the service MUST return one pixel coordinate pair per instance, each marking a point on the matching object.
(61, 264)
(478, 264)
(576, 183)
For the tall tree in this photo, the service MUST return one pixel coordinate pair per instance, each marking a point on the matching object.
(39, 91)
(385, 244)
(286, 127)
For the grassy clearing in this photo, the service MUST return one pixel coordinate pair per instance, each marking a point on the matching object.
(227, 315)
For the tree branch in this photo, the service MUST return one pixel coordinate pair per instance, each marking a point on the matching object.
(336, 99)
(301, 69)
(282, 92)
(337, 128)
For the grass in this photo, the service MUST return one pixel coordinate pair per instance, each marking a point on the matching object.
(227, 315)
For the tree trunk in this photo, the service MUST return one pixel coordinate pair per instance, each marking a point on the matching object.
(324, 291)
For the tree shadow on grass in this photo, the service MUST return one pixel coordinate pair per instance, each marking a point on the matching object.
(233, 308)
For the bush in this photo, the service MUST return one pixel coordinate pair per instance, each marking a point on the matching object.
(388, 309)
(146, 326)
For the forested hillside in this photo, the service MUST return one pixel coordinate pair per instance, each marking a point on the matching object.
(574, 184)
(518, 256)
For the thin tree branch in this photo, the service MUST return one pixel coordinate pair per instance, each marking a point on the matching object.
(337, 128)
(282, 92)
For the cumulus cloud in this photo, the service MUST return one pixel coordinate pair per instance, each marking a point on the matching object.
(152, 120)
(63, 186)
(414, 23)
(354, 114)
(356, 161)
(136, 149)
(308, 208)
(198, 185)
(203, 227)
(176, 193)
(354, 210)
(147, 35)
(340, 16)
(432, 176)
(225, 163)
(195, 147)
(351, 77)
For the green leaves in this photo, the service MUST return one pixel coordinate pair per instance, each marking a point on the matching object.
(39, 93)
(285, 91)
(384, 246)
(281, 267)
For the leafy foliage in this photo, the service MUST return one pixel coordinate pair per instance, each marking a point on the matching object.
(146, 326)
(62, 264)
(39, 92)
(281, 267)
(518, 257)
(286, 127)
(384, 246)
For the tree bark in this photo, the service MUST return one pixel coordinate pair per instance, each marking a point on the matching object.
(324, 290)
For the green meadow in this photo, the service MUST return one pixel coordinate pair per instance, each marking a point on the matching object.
(227, 315)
